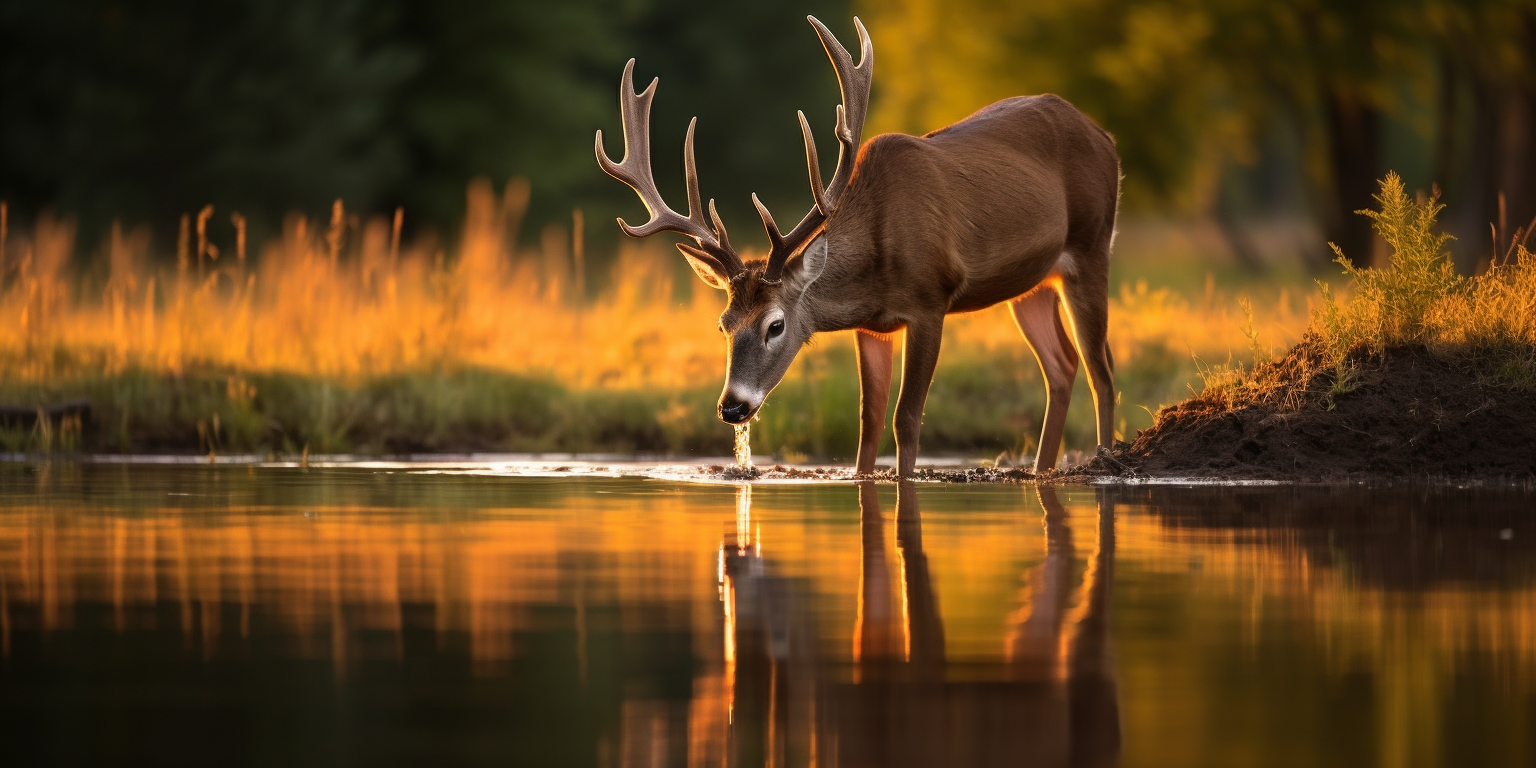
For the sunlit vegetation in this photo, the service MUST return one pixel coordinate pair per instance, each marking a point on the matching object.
(1212, 103)
(1419, 298)
(1486, 322)
(339, 337)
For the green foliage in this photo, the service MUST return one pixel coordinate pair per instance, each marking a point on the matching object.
(147, 110)
(142, 112)
(1244, 107)
(1346, 379)
(1486, 322)
(1188, 87)
(1394, 304)
(1418, 299)
(981, 402)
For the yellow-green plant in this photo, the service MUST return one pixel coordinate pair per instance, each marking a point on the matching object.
(1393, 304)
(1418, 299)
(1486, 322)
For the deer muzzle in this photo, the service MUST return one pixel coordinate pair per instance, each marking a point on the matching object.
(734, 410)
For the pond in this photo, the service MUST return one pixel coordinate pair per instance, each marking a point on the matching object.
(394, 614)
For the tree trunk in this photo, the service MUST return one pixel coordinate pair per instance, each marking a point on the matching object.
(1354, 154)
(1515, 164)
(1498, 161)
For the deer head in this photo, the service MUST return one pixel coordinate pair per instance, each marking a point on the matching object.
(763, 322)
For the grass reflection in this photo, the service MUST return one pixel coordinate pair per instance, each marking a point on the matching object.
(636, 622)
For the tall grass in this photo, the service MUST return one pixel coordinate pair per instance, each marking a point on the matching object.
(1486, 322)
(1418, 299)
(338, 336)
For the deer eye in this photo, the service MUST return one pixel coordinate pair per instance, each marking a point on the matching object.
(775, 328)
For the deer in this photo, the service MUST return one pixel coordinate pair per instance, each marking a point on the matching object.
(1016, 203)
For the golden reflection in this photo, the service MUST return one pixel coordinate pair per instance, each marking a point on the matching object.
(904, 704)
(970, 627)
(330, 583)
(1416, 592)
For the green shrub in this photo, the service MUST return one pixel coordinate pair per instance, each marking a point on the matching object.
(1395, 304)
(1486, 322)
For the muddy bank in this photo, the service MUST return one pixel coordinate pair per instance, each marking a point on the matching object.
(1405, 414)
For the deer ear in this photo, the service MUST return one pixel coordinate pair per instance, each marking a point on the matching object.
(707, 267)
(808, 265)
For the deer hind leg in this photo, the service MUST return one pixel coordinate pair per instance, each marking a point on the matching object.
(1085, 290)
(1038, 319)
(874, 394)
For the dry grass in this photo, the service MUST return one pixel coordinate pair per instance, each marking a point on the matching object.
(345, 303)
(1486, 322)
(1420, 300)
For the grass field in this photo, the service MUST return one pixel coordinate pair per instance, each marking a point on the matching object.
(337, 337)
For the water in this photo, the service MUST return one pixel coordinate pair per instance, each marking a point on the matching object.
(744, 445)
(219, 615)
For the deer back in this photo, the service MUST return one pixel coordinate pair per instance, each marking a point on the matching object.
(978, 212)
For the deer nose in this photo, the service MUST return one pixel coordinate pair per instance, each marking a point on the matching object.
(734, 411)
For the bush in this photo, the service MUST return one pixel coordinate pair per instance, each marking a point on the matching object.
(1486, 322)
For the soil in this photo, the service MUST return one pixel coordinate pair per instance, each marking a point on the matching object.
(1405, 414)
(1412, 415)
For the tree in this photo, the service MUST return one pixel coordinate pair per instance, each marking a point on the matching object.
(146, 110)
(1193, 88)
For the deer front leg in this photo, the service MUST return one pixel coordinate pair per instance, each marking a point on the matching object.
(874, 393)
(920, 356)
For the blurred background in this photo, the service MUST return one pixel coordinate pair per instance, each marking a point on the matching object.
(256, 226)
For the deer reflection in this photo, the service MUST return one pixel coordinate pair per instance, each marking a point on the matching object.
(1051, 702)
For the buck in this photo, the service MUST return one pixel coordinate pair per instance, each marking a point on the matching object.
(1015, 204)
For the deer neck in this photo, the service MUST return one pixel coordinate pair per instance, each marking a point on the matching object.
(843, 297)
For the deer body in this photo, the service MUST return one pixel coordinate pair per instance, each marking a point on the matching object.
(1016, 203)
(967, 217)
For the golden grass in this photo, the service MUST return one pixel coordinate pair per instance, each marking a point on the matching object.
(347, 302)
(1487, 321)
(1419, 298)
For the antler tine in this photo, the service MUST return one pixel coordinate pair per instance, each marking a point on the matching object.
(813, 166)
(635, 171)
(714, 216)
(853, 82)
(691, 176)
(775, 239)
(719, 242)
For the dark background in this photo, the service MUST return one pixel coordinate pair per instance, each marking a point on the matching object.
(144, 111)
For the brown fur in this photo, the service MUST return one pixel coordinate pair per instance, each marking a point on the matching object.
(1015, 203)
(972, 215)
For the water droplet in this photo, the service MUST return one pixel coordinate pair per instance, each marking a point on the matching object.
(744, 445)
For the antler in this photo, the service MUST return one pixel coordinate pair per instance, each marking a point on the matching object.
(635, 171)
(853, 81)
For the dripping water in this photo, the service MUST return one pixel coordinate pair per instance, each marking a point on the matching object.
(744, 446)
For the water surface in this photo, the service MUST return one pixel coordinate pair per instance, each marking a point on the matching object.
(260, 615)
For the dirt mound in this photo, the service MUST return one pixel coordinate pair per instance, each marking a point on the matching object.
(1402, 414)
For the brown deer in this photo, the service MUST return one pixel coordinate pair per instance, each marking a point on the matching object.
(1015, 203)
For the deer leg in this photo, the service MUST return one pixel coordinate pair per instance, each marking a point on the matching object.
(925, 627)
(874, 394)
(919, 358)
(1034, 642)
(1038, 319)
(1086, 295)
